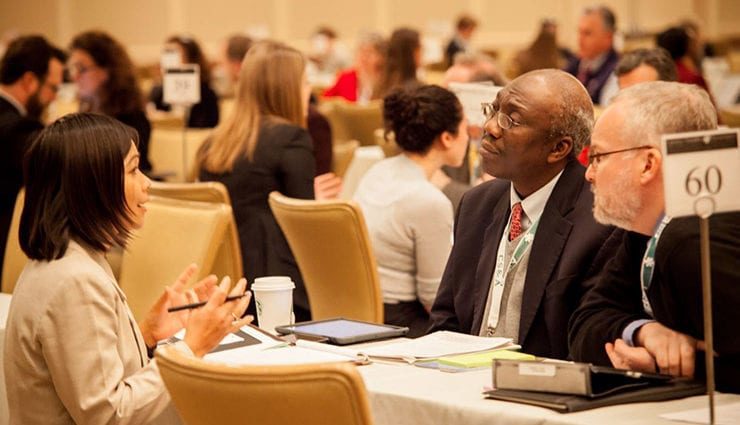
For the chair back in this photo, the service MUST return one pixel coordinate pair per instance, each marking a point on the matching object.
(207, 393)
(363, 158)
(340, 272)
(387, 143)
(172, 153)
(15, 259)
(342, 156)
(228, 261)
(175, 234)
(350, 121)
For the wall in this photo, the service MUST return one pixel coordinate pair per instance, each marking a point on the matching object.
(144, 24)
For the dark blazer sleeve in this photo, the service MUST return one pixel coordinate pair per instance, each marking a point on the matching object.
(320, 131)
(612, 302)
(297, 166)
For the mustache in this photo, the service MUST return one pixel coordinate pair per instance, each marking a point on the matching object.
(488, 137)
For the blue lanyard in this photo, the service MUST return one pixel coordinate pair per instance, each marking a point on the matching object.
(648, 264)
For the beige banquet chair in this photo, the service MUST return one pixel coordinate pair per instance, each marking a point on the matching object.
(330, 242)
(228, 261)
(207, 393)
(350, 121)
(15, 259)
(166, 151)
(175, 234)
(342, 154)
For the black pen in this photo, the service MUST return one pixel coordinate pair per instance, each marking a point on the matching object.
(201, 304)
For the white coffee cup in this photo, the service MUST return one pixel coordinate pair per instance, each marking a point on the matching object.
(273, 297)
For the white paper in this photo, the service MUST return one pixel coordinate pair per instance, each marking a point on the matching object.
(437, 344)
(726, 414)
(471, 95)
(277, 355)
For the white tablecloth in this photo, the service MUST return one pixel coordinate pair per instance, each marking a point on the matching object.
(410, 395)
(4, 305)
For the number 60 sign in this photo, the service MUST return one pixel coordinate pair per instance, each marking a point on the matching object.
(701, 172)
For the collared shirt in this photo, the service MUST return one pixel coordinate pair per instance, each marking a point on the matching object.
(13, 101)
(534, 204)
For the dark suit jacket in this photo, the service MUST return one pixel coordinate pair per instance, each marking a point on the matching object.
(562, 258)
(283, 161)
(597, 78)
(16, 134)
(674, 294)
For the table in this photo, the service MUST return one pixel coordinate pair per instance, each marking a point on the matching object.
(4, 306)
(410, 395)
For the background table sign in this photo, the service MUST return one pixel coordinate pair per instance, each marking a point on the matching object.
(701, 171)
(182, 85)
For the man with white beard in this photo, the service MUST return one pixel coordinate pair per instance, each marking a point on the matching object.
(645, 311)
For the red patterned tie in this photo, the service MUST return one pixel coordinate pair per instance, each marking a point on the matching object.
(515, 228)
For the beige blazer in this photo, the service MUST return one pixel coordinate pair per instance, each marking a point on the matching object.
(73, 351)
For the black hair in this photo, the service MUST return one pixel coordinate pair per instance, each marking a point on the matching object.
(657, 58)
(675, 40)
(74, 178)
(30, 53)
(418, 115)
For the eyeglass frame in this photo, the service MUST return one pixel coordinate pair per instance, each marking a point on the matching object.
(486, 106)
(594, 158)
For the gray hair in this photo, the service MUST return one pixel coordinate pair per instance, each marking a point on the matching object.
(661, 107)
(607, 16)
(575, 114)
(657, 58)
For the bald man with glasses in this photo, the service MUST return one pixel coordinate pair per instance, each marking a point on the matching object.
(525, 243)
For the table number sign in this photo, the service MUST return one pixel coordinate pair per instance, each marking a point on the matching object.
(701, 172)
(182, 85)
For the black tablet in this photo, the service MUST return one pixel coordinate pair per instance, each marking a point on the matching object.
(341, 331)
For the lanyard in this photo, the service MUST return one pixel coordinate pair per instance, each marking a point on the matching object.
(499, 274)
(648, 265)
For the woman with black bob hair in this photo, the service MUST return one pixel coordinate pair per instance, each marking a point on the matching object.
(75, 353)
(409, 219)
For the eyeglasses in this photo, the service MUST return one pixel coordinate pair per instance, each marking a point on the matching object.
(504, 121)
(595, 158)
(78, 68)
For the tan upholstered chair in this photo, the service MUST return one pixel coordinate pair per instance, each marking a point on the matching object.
(350, 121)
(209, 393)
(730, 116)
(175, 234)
(330, 242)
(228, 261)
(166, 151)
(389, 145)
(15, 259)
(342, 156)
(363, 158)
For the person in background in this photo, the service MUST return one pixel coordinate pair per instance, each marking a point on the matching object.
(77, 355)
(645, 311)
(460, 42)
(328, 54)
(526, 242)
(404, 58)
(676, 41)
(639, 66)
(360, 83)
(264, 146)
(106, 84)
(204, 114)
(408, 218)
(31, 71)
(596, 55)
(237, 47)
(543, 53)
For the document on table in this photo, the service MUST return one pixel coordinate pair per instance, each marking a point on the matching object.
(434, 345)
(726, 414)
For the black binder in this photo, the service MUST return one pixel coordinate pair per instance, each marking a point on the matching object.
(564, 403)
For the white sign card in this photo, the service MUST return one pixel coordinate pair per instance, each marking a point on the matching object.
(701, 172)
(471, 95)
(182, 85)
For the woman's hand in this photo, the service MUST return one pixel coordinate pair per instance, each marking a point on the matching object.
(208, 325)
(327, 186)
(159, 324)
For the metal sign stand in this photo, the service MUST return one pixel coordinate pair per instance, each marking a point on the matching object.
(706, 284)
